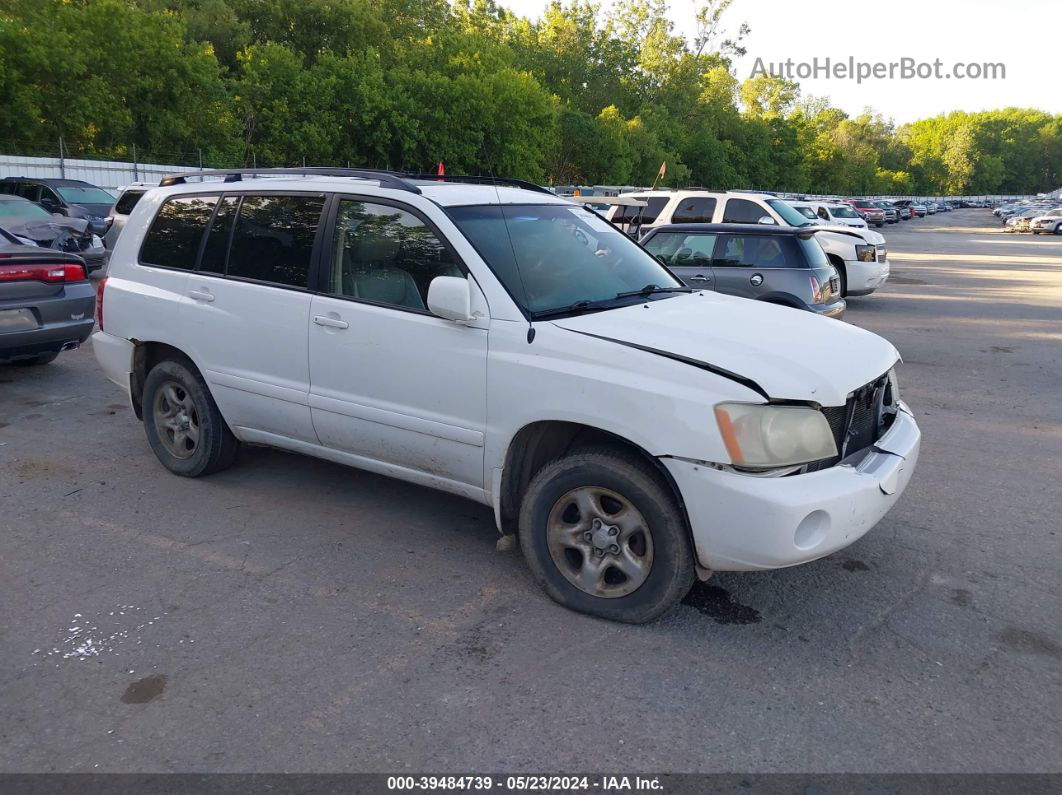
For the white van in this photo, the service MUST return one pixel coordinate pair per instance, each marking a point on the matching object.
(859, 255)
(504, 344)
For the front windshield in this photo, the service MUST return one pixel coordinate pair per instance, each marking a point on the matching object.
(789, 215)
(85, 195)
(554, 256)
(843, 211)
(22, 209)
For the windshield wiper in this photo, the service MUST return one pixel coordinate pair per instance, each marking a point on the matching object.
(574, 309)
(649, 289)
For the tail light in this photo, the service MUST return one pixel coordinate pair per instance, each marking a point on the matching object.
(99, 302)
(59, 273)
(816, 288)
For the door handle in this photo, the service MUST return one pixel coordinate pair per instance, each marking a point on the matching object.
(699, 278)
(201, 295)
(330, 322)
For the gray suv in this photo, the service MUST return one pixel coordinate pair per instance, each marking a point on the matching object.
(777, 264)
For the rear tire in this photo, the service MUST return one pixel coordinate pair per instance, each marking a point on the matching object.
(184, 427)
(602, 534)
(44, 358)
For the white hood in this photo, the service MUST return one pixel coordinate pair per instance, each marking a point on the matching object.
(789, 353)
(868, 235)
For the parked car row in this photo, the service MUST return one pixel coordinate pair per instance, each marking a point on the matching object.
(494, 340)
(1038, 217)
(755, 245)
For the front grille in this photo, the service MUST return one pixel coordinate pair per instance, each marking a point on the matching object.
(881, 253)
(859, 422)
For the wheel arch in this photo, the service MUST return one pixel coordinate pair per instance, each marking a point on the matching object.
(842, 270)
(542, 441)
(146, 354)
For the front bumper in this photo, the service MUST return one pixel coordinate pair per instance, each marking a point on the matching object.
(866, 277)
(746, 523)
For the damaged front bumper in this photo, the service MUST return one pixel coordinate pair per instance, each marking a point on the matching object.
(741, 522)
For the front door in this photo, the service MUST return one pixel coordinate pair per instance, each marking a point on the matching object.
(687, 254)
(390, 382)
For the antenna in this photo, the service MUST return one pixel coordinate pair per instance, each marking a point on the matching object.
(516, 260)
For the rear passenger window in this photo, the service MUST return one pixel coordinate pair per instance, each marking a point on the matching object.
(752, 251)
(216, 250)
(127, 201)
(273, 239)
(742, 211)
(175, 234)
(696, 210)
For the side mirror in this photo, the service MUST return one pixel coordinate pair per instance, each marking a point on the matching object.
(450, 299)
(766, 219)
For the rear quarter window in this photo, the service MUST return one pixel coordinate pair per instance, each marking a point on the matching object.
(177, 231)
(694, 210)
(127, 201)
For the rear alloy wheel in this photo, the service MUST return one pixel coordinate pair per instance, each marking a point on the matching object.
(602, 534)
(184, 427)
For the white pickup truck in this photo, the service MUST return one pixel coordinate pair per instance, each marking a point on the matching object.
(858, 254)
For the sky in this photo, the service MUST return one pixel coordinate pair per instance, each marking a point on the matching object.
(1023, 35)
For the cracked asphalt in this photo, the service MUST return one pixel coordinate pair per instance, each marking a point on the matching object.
(294, 615)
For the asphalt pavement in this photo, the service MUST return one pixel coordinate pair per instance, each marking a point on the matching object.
(295, 615)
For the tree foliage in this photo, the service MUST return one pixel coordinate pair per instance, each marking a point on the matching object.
(581, 95)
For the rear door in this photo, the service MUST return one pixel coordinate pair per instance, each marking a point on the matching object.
(248, 306)
(754, 266)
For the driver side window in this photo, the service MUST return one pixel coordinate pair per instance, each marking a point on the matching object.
(824, 214)
(679, 250)
(386, 255)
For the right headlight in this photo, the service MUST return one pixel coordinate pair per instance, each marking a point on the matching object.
(866, 253)
(758, 436)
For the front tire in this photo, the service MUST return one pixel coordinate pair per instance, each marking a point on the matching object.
(184, 427)
(603, 535)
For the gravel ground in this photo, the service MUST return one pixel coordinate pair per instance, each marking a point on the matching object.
(294, 615)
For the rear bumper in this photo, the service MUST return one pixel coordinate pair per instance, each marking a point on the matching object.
(115, 356)
(834, 310)
(743, 523)
(64, 320)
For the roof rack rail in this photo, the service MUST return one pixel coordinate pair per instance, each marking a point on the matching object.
(478, 180)
(387, 179)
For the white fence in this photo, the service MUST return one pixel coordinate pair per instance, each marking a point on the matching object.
(108, 174)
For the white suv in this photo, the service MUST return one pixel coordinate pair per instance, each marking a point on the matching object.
(501, 343)
(859, 255)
